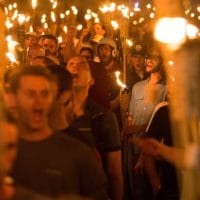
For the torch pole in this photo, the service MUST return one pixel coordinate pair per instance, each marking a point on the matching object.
(185, 94)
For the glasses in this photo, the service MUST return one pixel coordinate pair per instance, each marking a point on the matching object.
(87, 57)
(152, 57)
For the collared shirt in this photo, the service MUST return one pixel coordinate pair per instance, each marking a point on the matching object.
(140, 108)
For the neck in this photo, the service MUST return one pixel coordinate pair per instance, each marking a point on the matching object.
(33, 134)
(80, 98)
(109, 66)
(140, 72)
(155, 77)
(59, 122)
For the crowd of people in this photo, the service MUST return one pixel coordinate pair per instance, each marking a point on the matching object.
(61, 126)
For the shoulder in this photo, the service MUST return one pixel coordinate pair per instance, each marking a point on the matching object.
(141, 83)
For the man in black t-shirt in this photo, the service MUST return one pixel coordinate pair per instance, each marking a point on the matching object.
(96, 126)
(47, 162)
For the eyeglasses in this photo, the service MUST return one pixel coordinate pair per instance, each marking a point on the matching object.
(87, 57)
(152, 57)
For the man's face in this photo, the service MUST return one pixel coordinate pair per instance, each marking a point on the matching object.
(153, 63)
(105, 53)
(8, 145)
(86, 56)
(80, 71)
(34, 52)
(49, 46)
(138, 62)
(33, 101)
(98, 30)
(30, 41)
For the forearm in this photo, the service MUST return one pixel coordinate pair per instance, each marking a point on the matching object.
(115, 175)
(116, 186)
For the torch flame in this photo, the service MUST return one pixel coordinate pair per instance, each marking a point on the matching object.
(34, 4)
(119, 82)
(11, 57)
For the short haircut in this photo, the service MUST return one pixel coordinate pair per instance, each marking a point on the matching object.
(29, 71)
(50, 37)
(89, 50)
(47, 61)
(63, 79)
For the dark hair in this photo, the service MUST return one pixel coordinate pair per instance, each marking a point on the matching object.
(50, 37)
(87, 49)
(63, 78)
(156, 51)
(29, 71)
(47, 61)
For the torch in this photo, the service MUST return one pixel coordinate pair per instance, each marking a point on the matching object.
(184, 106)
(21, 38)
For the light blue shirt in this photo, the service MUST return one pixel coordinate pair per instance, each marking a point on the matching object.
(140, 108)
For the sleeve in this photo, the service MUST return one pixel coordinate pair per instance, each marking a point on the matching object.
(131, 105)
(111, 133)
(93, 181)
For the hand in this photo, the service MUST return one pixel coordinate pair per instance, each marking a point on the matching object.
(156, 185)
(84, 32)
(148, 145)
(138, 168)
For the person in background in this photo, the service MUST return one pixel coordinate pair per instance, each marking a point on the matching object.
(145, 96)
(30, 39)
(34, 51)
(87, 53)
(136, 70)
(96, 126)
(8, 151)
(42, 61)
(50, 45)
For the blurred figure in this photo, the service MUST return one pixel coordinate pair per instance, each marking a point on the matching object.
(8, 151)
(61, 114)
(96, 126)
(145, 96)
(137, 69)
(106, 90)
(8, 99)
(49, 162)
(42, 61)
(87, 54)
(50, 45)
(34, 51)
(30, 39)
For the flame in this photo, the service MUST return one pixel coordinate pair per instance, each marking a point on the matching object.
(114, 24)
(11, 57)
(31, 29)
(65, 29)
(171, 31)
(34, 4)
(119, 82)
(79, 27)
(60, 39)
(174, 31)
(53, 16)
(54, 5)
(21, 19)
(88, 17)
(9, 24)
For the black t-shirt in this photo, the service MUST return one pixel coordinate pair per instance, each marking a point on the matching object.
(59, 165)
(97, 128)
